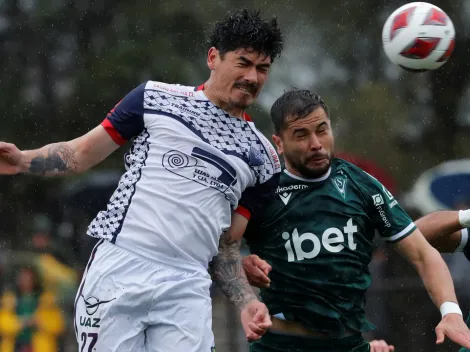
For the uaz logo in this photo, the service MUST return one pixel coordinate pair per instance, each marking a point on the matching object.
(92, 304)
(332, 240)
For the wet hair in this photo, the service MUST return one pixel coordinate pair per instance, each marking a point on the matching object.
(246, 29)
(293, 105)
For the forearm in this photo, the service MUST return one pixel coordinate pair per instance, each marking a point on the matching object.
(436, 277)
(441, 229)
(51, 160)
(228, 272)
(74, 156)
(438, 223)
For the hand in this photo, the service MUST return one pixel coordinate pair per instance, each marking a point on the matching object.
(453, 326)
(255, 320)
(10, 159)
(257, 270)
(380, 346)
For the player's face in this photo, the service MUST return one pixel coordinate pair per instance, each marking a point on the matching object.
(238, 77)
(307, 144)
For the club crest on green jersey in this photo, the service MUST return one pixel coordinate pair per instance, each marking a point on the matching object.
(340, 184)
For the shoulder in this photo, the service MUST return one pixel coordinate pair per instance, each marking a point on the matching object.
(268, 150)
(354, 172)
(47, 298)
(170, 88)
(365, 185)
(8, 300)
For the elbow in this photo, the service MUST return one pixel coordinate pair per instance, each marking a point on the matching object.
(427, 259)
(83, 151)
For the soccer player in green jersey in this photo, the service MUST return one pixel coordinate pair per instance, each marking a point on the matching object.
(317, 236)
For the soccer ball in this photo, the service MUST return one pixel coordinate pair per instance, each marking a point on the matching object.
(418, 37)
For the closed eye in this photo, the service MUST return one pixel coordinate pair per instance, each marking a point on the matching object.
(323, 127)
(300, 134)
(263, 69)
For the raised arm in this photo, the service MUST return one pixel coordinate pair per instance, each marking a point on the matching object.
(122, 123)
(395, 226)
(438, 282)
(61, 158)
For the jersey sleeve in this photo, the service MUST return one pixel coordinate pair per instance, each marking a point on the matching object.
(126, 119)
(388, 217)
(255, 198)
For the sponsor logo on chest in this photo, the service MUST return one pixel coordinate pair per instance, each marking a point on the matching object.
(333, 240)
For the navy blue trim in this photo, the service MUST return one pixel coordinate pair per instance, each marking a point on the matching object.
(202, 154)
(80, 289)
(199, 134)
(118, 230)
(127, 117)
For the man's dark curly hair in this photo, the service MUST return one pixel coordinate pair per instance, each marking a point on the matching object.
(246, 29)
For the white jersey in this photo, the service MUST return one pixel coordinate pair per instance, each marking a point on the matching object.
(190, 166)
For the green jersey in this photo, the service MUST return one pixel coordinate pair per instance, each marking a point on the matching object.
(317, 234)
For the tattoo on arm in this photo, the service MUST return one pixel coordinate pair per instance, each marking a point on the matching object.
(229, 274)
(60, 159)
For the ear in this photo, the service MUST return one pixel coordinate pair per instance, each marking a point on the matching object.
(278, 142)
(212, 58)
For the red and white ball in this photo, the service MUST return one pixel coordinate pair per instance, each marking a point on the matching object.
(418, 37)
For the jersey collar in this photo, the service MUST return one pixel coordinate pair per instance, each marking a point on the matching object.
(320, 179)
(246, 117)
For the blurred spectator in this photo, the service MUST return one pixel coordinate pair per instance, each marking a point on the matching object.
(43, 241)
(57, 274)
(30, 321)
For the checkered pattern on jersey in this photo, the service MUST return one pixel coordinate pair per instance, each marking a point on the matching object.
(107, 224)
(214, 126)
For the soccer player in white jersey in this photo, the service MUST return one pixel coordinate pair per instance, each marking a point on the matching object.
(196, 163)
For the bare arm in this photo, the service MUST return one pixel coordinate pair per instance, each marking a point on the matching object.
(74, 156)
(430, 266)
(438, 283)
(229, 274)
(441, 229)
(227, 266)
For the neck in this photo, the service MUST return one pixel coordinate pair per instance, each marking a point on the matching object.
(295, 172)
(215, 97)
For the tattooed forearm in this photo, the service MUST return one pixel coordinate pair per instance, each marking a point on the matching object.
(60, 159)
(229, 274)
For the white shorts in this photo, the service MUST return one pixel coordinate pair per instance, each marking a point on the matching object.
(127, 303)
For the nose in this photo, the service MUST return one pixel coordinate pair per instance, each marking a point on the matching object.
(315, 144)
(251, 75)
